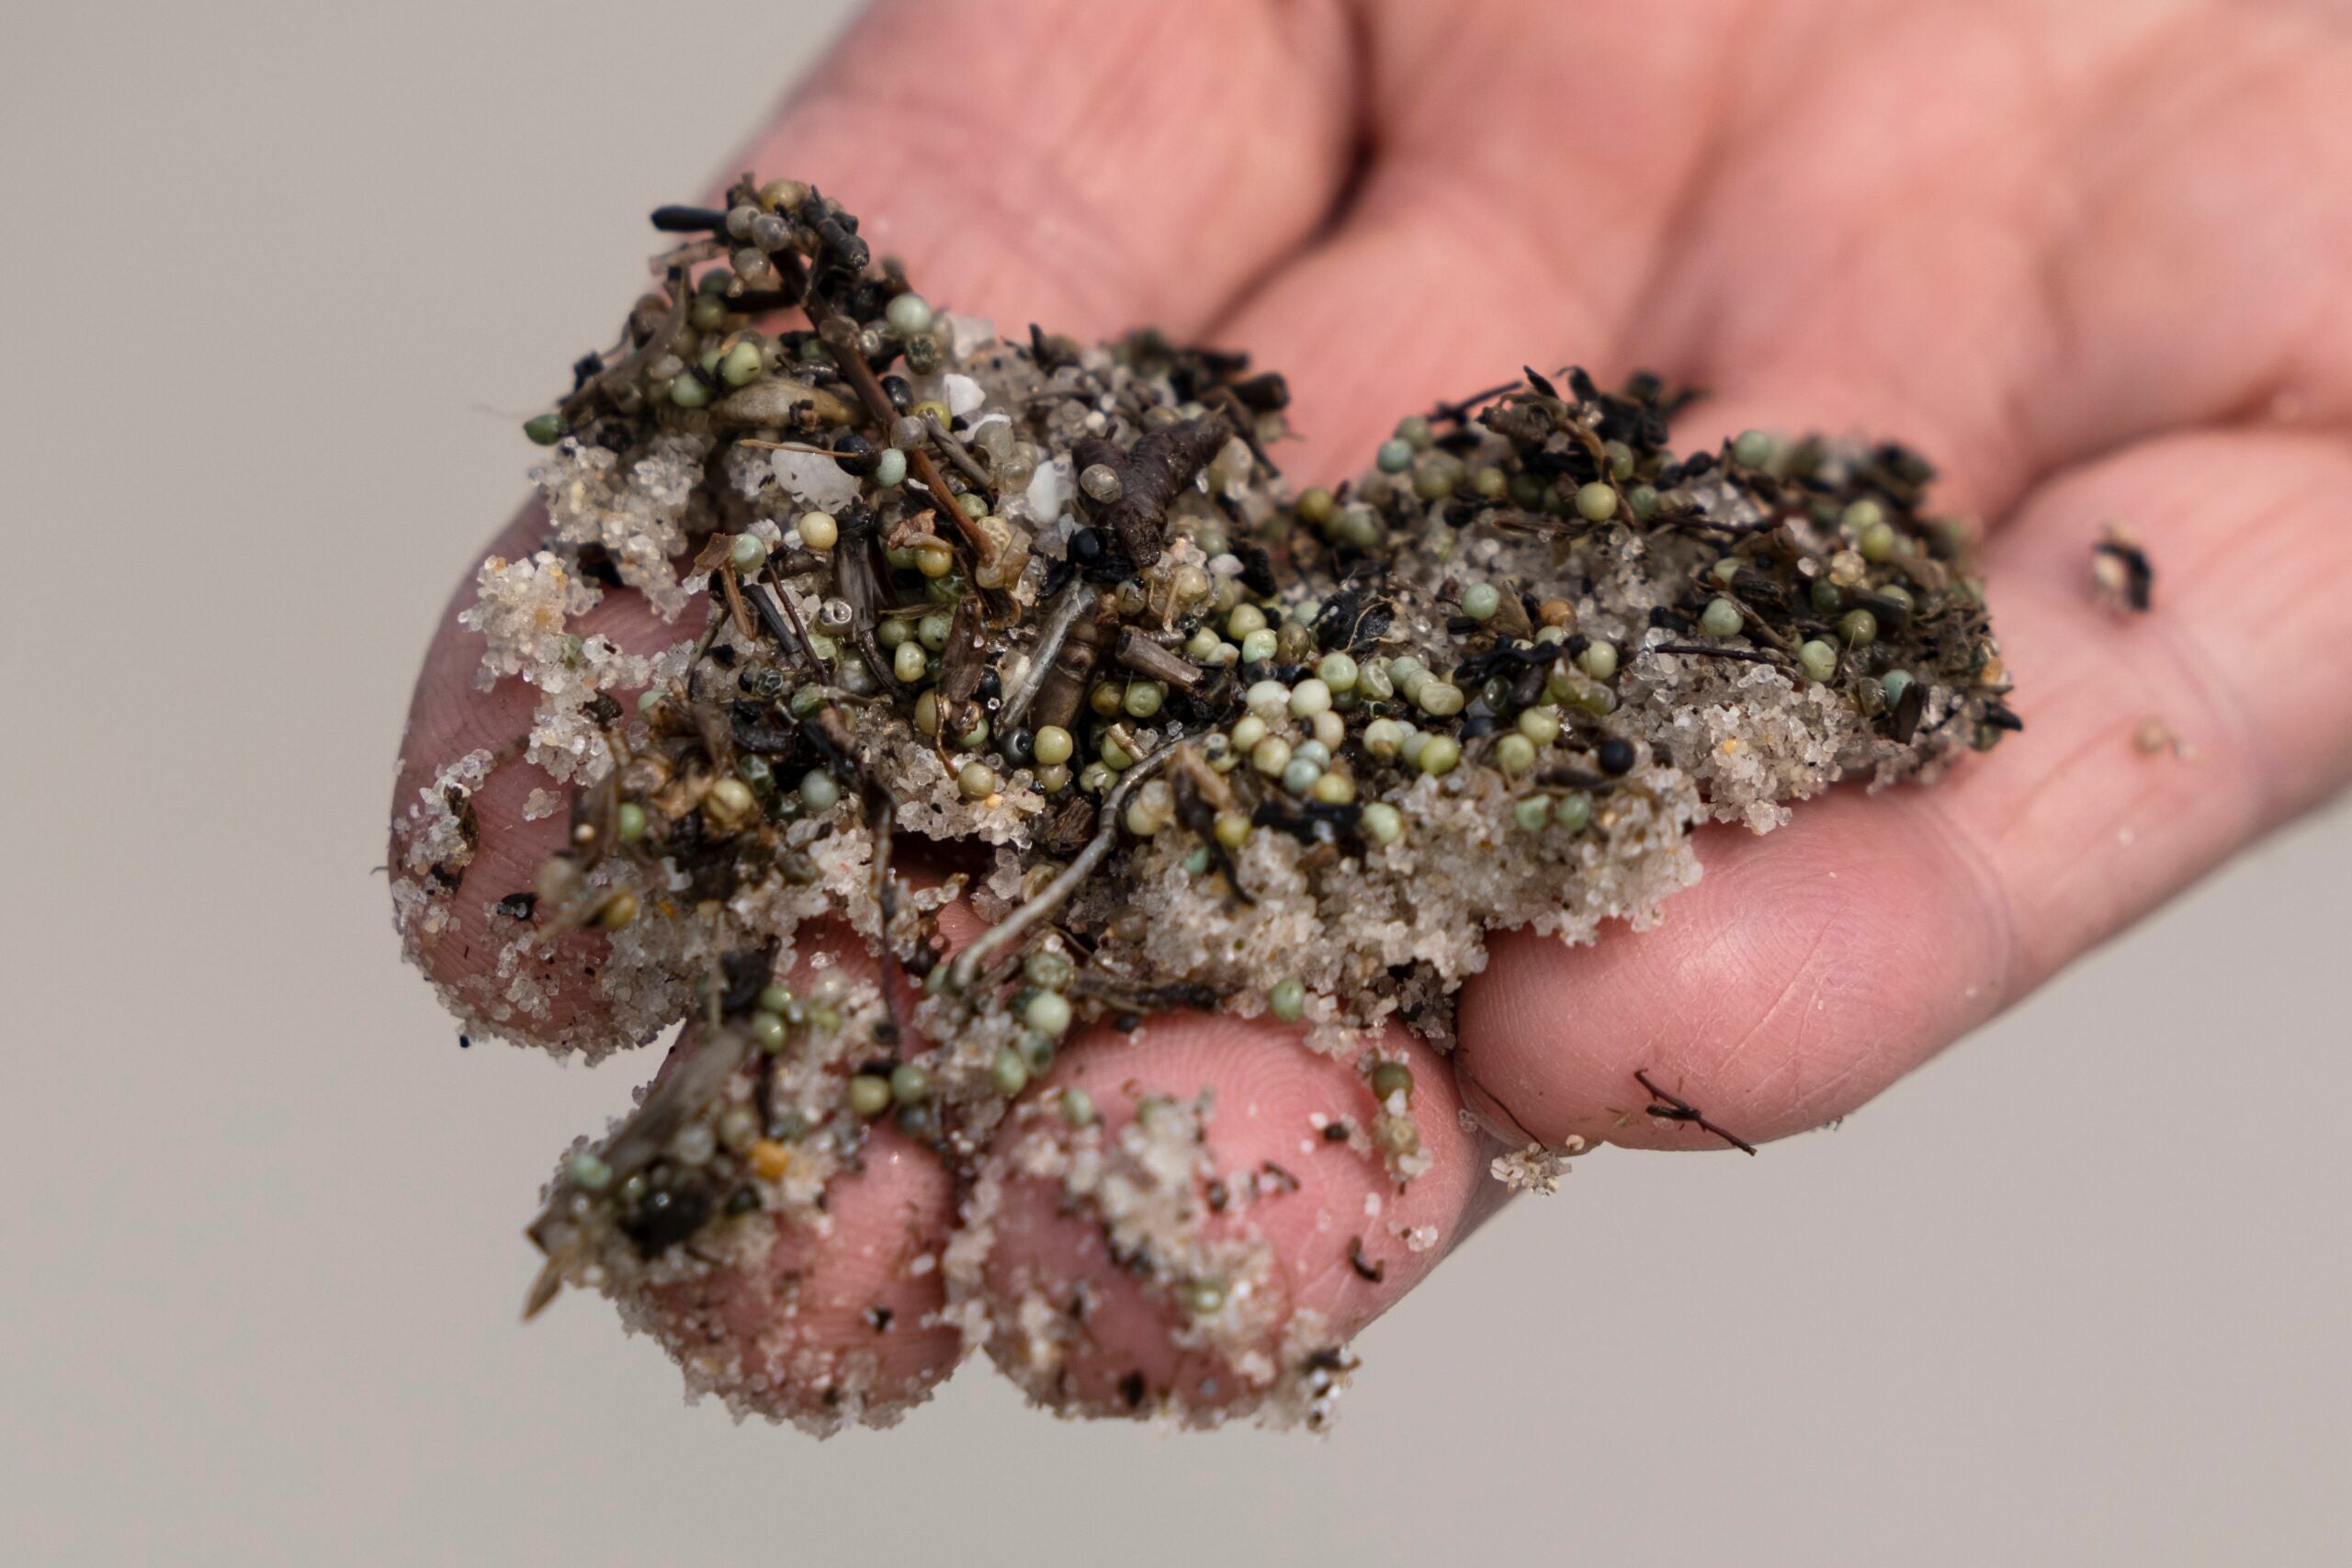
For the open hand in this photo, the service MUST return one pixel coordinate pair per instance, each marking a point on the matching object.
(2088, 257)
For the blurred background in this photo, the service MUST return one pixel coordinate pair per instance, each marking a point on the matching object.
(283, 279)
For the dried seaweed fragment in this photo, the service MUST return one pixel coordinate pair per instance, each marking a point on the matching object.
(2121, 571)
(1139, 483)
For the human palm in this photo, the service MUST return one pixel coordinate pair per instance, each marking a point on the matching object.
(2088, 256)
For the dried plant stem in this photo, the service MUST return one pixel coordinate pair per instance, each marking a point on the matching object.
(1067, 609)
(1013, 926)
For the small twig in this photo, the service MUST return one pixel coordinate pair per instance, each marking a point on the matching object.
(953, 445)
(735, 602)
(655, 345)
(1563, 776)
(1750, 655)
(1524, 521)
(1056, 893)
(1698, 522)
(882, 412)
(783, 624)
(1674, 1108)
(879, 407)
(881, 825)
(1139, 653)
(756, 444)
(1458, 411)
(1064, 615)
(1756, 626)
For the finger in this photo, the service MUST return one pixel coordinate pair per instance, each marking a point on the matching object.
(1151, 159)
(1814, 965)
(1088, 167)
(836, 1319)
(828, 1315)
(497, 971)
(1999, 275)
(1092, 1275)
(1514, 210)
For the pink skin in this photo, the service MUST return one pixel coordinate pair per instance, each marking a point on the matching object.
(867, 1284)
(823, 1297)
(2088, 257)
(1270, 1099)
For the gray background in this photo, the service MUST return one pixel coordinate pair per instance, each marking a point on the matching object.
(280, 279)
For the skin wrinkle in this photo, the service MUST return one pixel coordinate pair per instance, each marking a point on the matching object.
(2298, 373)
(2194, 668)
(1665, 1040)
(1800, 976)
(2052, 796)
(1110, 98)
(2059, 198)
(1500, 1123)
(2016, 403)
(1714, 1010)
(1320, 1273)
(2065, 322)
(1979, 435)
(1820, 972)
(1690, 189)
(1816, 1102)
(1997, 912)
(1309, 323)
(2260, 57)
(1997, 915)
(2055, 606)
(1688, 1013)
(1836, 402)
(2307, 593)
(1918, 1034)
(2238, 805)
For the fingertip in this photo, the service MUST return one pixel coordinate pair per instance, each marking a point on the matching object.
(1807, 970)
(831, 1319)
(501, 971)
(473, 819)
(1168, 1260)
